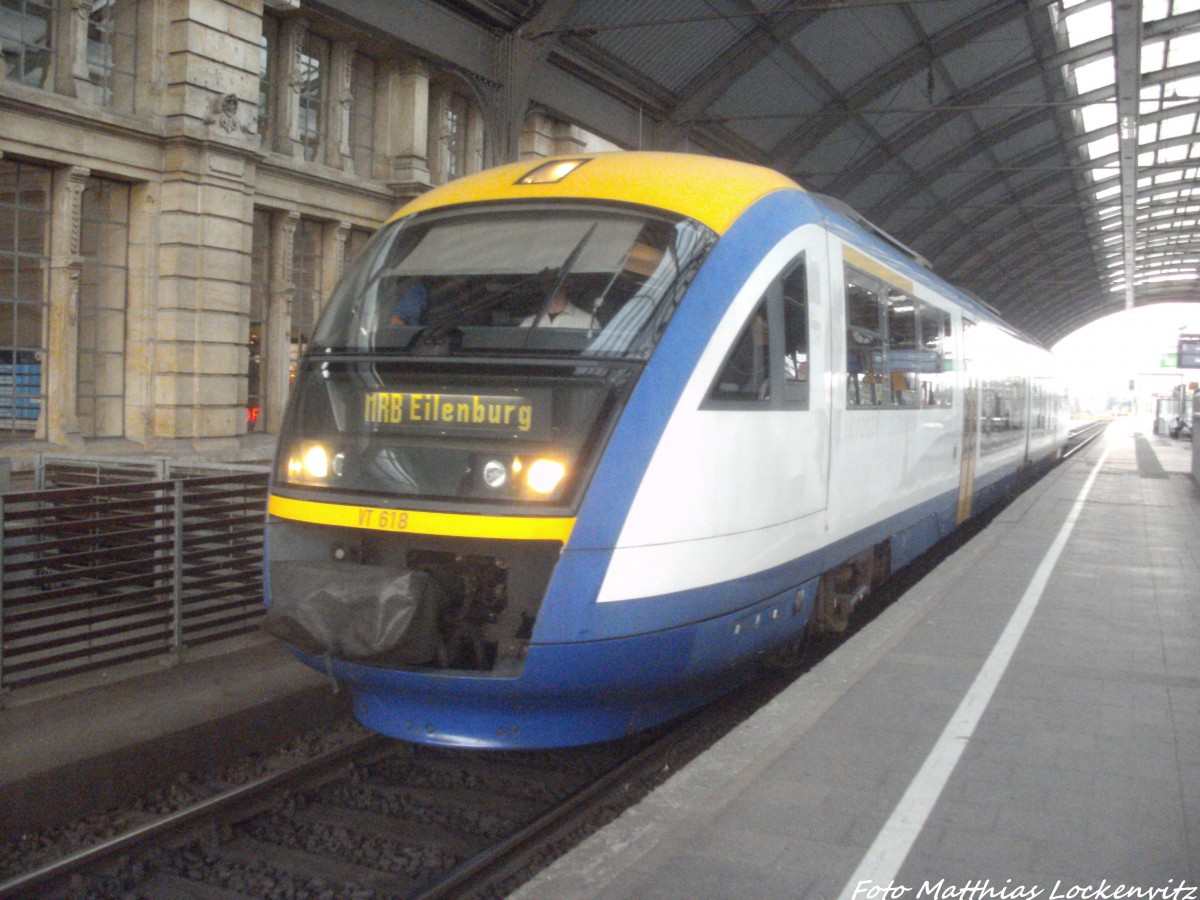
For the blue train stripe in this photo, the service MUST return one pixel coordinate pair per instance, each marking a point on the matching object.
(610, 620)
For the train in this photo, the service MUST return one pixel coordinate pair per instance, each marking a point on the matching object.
(577, 443)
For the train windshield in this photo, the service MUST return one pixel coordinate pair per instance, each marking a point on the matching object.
(561, 280)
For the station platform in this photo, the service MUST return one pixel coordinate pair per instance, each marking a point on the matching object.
(73, 748)
(1024, 723)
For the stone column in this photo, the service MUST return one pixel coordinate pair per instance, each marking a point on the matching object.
(286, 129)
(537, 137)
(201, 291)
(279, 318)
(62, 340)
(145, 199)
(439, 148)
(70, 48)
(150, 76)
(333, 257)
(567, 139)
(407, 138)
(475, 139)
(337, 133)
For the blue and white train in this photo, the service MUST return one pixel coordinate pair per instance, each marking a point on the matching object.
(576, 442)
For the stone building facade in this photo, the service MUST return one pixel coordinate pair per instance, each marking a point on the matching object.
(181, 184)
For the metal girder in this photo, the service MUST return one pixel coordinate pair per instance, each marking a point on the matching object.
(802, 139)
(563, 88)
(961, 154)
(726, 68)
(429, 27)
(924, 128)
(976, 96)
(521, 56)
(996, 179)
(1018, 266)
(1015, 265)
(1127, 35)
(1000, 267)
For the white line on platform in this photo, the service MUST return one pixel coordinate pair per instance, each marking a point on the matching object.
(878, 869)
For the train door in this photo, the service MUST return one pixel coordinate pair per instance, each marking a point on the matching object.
(800, 334)
(970, 426)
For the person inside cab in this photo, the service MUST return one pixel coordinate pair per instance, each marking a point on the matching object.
(560, 312)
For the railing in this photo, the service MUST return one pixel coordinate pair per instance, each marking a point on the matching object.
(114, 568)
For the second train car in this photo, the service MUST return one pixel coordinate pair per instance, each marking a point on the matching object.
(576, 442)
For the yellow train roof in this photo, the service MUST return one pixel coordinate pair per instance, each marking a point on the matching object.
(711, 190)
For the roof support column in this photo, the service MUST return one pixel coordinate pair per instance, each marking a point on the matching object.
(522, 51)
(1127, 37)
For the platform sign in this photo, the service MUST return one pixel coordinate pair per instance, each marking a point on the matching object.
(1189, 351)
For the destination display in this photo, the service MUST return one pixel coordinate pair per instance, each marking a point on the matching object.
(1189, 351)
(526, 415)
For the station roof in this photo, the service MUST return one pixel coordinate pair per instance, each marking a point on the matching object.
(1040, 153)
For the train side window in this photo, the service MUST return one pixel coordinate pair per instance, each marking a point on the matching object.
(746, 375)
(795, 336)
(769, 360)
(935, 361)
(865, 382)
(902, 348)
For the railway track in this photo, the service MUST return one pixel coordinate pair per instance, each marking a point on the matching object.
(380, 818)
(1082, 436)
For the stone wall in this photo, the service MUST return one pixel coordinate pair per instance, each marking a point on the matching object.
(174, 109)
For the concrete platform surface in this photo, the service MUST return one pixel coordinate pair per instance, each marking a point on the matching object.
(70, 750)
(1024, 723)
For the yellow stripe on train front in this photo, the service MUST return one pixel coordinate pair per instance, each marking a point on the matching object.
(415, 521)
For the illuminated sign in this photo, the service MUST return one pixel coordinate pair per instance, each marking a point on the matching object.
(1189, 351)
(527, 415)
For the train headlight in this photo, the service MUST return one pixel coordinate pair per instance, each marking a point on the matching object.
(309, 463)
(495, 473)
(544, 475)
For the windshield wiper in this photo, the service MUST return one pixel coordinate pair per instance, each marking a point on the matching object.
(563, 271)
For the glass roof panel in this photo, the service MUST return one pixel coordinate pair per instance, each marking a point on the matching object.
(1153, 54)
(1183, 50)
(1105, 146)
(1154, 9)
(1098, 115)
(1089, 24)
(1177, 126)
(1097, 74)
(1173, 154)
(1159, 213)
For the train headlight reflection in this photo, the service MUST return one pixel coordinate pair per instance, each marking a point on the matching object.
(544, 475)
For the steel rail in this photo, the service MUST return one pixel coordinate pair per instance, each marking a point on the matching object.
(1082, 436)
(22, 884)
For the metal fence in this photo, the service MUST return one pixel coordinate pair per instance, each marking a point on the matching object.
(122, 565)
